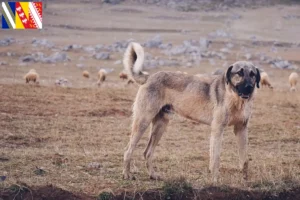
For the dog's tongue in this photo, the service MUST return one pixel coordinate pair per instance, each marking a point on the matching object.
(244, 96)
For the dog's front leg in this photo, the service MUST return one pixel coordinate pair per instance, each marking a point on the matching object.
(241, 132)
(217, 128)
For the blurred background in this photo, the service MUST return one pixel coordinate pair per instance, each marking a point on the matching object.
(196, 36)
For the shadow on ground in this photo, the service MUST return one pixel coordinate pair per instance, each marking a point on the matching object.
(208, 193)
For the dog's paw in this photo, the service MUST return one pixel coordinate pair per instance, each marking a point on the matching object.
(128, 176)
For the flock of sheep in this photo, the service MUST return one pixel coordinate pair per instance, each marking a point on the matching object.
(33, 76)
(293, 78)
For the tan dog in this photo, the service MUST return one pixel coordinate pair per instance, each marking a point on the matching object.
(32, 75)
(293, 78)
(217, 101)
(101, 76)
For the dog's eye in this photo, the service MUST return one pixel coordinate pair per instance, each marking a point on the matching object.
(240, 73)
(252, 74)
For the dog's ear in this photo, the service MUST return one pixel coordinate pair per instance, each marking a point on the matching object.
(228, 74)
(257, 77)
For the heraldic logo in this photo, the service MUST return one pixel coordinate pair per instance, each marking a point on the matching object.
(22, 15)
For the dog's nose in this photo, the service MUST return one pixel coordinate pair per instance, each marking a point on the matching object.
(249, 86)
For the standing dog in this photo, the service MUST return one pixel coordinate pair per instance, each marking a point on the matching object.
(217, 101)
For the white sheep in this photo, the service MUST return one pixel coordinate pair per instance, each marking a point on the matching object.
(293, 78)
(32, 75)
(265, 80)
(101, 76)
(85, 74)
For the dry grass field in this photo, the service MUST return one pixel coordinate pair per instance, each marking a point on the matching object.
(68, 142)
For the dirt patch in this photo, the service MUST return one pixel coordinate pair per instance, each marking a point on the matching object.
(209, 193)
(45, 192)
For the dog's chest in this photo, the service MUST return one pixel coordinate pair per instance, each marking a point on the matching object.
(238, 113)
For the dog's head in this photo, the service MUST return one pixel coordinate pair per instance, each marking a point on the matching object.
(242, 76)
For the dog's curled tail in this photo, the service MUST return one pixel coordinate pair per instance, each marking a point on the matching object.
(133, 63)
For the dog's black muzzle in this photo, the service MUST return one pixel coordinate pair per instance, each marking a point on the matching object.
(245, 90)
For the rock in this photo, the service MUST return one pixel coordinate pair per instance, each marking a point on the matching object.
(118, 46)
(35, 57)
(42, 43)
(282, 64)
(102, 56)
(224, 50)
(99, 47)
(118, 62)
(184, 6)
(28, 58)
(62, 82)
(177, 50)
(229, 45)
(89, 49)
(289, 17)
(154, 42)
(7, 41)
(273, 49)
(113, 2)
(151, 63)
(168, 63)
(56, 57)
(94, 165)
(165, 46)
(3, 63)
(109, 70)
(204, 43)
(220, 33)
(80, 65)
(254, 40)
(72, 47)
(39, 172)
(235, 16)
(189, 64)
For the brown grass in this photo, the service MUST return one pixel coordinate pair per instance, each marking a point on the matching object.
(61, 131)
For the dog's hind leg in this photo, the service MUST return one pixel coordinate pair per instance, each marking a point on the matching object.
(139, 126)
(142, 117)
(159, 125)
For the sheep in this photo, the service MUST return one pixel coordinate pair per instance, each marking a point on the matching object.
(293, 78)
(123, 76)
(265, 80)
(85, 74)
(32, 75)
(101, 76)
